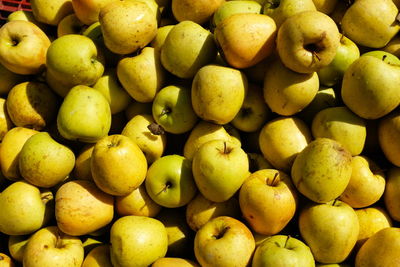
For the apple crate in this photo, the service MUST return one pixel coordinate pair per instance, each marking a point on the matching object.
(9, 6)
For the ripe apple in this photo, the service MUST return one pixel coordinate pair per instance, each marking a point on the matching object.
(219, 169)
(311, 47)
(82, 168)
(224, 241)
(17, 245)
(268, 201)
(169, 181)
(366, 185)
(6, 261)
(281, 139)
(322, 170)
(118, 165)
(51, 12)
(70, 24)
(325, 6)
(51, 247)
(82, 208)
(282, 250)
(388, 137)
(9, 79)
(158, 41)
(329, 229)
(172, 109)
(5, 121)
(174, 262)
(199, 11)
(88, 10)
(392, 193)
(98, 256)
(137, 240)
(23, 47)
(200, 210)
(229, 8)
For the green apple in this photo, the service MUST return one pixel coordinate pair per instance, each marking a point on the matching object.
(219, 169)
(245, 39)
(25, 208)
(287, 92)
(268, 201)
(280, 10)
(371, 24)
(51, 247)
(199, 11)
(169, 181)
(391, 193)
(44, 162)
(142, 76)
(17, 245)
(5, 121)
(142, 129)
(172, 109)
(200, 210)
(91, 117)
(346, 53)
(342, 125)
(82, 169)
(322, 170)
(393, 46)
(187, 47)
(159, 39)
(51, 13)
(311, 47)
(127, 25)
(98, 257)
(224, 241)
(282, 250)
(71, 60)
(118, 165)
(281, 139)
(366, 185)
(70, 24)
(371, 219)
(10, 148)
(137, 241)
(138, 203)
(28, 16)
(110, 87)
(254, 111)
(88, 10)
(388, 57)
(329, 229)
(32, 104)
(23, 47)
(363, 83)
(203, 132)
(381, 249)
(388, 137)
(325, 6)
(218, 93)
(229, 8)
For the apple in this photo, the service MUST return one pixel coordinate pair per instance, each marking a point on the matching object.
(224, 241)
(174, 262)
(51, 13)
(229, 8)
(28, 16)
(311, 47)
(268, 201)
(159, 39)
(70, 24)
(388, 132)
(49, 246)
(5, 121)
(325, 6)
(17, 245)
(88, 10)
(118, 165)
(23, 47)
(9, 79)
(245, 39)
(282, 250)
(219, 169)
(26, 208)
(330, 230)
(82, 208)
(281, 139)
(392, 193)
(137, 240)
(6, 260)
(98, 257)
(82, 169)
(169, 181)
(199, 11)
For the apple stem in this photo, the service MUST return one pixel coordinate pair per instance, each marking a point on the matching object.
(221, 234)
(167, 185)
(287, 239)
(58, 241)
(273, 183)
(46, 197)
(334, 202)
(316, 56)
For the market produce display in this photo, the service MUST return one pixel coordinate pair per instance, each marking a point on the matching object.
(213, 133)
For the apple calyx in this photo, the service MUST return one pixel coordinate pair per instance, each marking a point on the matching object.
(156, 129)
(46, 196)
(221, 233)
(1, 258)
(245, 112)
(274, 181)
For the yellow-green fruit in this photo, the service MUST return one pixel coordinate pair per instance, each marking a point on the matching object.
(5, 122)
(9, 79)
(392, 193)
(187, 47)
(388, 136)
(98, 257)
(162, 33)
(174, 262)
(342, 125)
(84, 115)
(199, 11)
(6, 261)
(51, 12)
(322, 170)
(82, 169)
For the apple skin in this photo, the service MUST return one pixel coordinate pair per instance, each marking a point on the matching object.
(392, 193)
(217, 162)
(70, 24)
(5, 121)
(199, 11)
(172, 109)
(23, 47)
(88, 10)
(6, 261)
(51, 12)
(388, 137)
(329, 229)
(51, 247)
(169, 181)
(229, 8)
(17, 245)
(268, 201)
(137, 241)
(381, 249)
(281, 250)
(98, 257)
(174, 262)
(224, 241)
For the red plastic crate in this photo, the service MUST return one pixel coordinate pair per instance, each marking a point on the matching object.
(9, 6)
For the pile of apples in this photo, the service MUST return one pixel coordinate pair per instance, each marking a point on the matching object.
(200, 133)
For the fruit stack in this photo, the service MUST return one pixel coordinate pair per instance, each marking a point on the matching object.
(200, 133)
